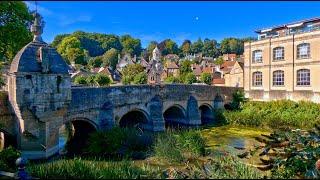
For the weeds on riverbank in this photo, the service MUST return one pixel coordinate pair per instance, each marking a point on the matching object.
(275, 114)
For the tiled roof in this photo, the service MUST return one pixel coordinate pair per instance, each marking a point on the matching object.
(172, 65)
(208, 70)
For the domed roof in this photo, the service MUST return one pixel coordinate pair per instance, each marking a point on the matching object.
(27, 59)
(38, 56)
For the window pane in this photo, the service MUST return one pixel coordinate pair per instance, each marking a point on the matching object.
(257, 79)
(303, 77)
(278, 78)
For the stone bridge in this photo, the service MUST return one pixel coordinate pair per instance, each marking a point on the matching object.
(153, 106)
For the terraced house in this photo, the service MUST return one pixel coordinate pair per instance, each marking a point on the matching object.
(284, 63)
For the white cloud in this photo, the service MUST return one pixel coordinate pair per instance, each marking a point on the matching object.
(65, 21)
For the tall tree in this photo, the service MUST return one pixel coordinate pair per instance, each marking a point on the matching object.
(168, 46)
(57, 40)
(197, 46)
(232, 45)
(130, 71)
(15, 20)
(71, 50)
(186, 47)
(131, 45)
(111, 58)
(210, 48)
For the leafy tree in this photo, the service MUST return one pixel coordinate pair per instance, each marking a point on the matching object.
(140, 78)
(71, 50)
(185, 67)
(111, 58)
(14, 28)
(57, 40)
(95, 62)
(131, 70)
(80, 80)
(210, 48)
(125, 80)
(168, 46)
(131, 45)
(151, 47)
(190, 78)
(232, 45)
(197, 46)
(186, 47)
(172, 79)
(219, 61)
(102, 80)
(206, 78)
(91, 80)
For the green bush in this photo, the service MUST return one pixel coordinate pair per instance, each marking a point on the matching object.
(172, 79)
(276, 114)
(190, 78)
(125, 80)
(206, 78)
(102, 80)
(80, 80)
(140, 78)
(8, 157)
(90, 80)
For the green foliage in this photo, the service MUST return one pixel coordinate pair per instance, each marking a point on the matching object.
(151, 47)
(172, 79)
(238, 98)
(85, 169)
(90, 80)
(8, 157)
(276, 114)
(125, 80)
(186, 47)
(190, 78)
(185, 67)
(14, 30)
(102, 80)
(110, 58)
(168, 47)
(81, 80)
(58, 39)
(197, 46)
(130, 71)
(210, 48)
(95, 62)
(219, 61)
(71, 50)
(232, 45)
(140, 78)
(181, 145)
(206, 78)
(131, 45)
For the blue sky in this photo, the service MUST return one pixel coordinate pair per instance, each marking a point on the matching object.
(176, 20)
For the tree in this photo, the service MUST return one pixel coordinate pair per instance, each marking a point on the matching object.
(219, 61)
(71, 50)
(168, 46)
(185, 67)
(15, 20)
(140, 78)
(110, 58)
(80, 80)
(91, 80)
(131, 45)
(197, 46)
(57, 40)
(186, 47)
(131, 70)
(102, 80)
(172, 79)
(190, 78)
(151, 47)
(125, 80)
(206, 78)
(232, 45)
(210, 48)
(95, 62)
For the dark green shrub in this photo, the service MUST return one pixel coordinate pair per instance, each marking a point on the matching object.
(8, 157)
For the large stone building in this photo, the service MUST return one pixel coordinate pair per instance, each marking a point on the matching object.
(284, 63)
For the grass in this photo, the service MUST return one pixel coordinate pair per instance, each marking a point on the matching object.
(275, 114)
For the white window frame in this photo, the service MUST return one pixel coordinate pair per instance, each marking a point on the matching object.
(255, 58)
(303, 77)
(278, 53)
(303, 51)
(278, 78)
(257, 79)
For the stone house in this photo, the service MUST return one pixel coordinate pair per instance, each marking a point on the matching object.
(172, 69)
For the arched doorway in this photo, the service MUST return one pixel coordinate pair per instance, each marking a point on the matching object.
(73, 136)
(174, 117)
(206, 114)
(134, 118)
(6, 140)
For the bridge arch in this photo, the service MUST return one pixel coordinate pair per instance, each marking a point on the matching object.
(74, 134)
(133, 118)
(175, 116)
(206, 113)
(218, 102)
